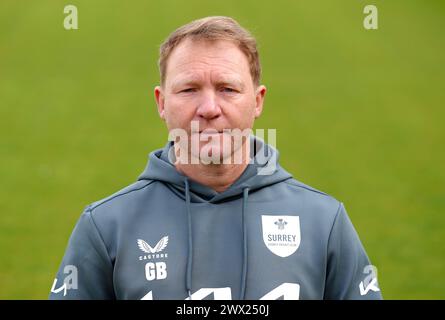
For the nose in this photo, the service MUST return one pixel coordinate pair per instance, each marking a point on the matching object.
(208, 107)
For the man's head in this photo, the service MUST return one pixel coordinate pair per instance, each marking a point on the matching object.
(210, 74)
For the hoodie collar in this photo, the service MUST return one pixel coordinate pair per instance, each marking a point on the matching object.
(264, 170)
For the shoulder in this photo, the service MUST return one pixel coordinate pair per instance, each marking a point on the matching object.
(306, 188)
(110, 214)
(313, 200)
(118, 206)
(122, 195)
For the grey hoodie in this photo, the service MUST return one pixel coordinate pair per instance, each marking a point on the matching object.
(168, 237)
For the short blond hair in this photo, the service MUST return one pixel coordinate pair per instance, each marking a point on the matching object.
(212, 29)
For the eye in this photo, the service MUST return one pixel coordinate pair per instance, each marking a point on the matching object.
(228, 89)
(188, 90)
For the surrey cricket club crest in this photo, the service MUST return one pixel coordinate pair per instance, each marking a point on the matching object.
(281, 234)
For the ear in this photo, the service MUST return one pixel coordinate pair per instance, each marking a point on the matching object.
(160, 101)
(259, 99)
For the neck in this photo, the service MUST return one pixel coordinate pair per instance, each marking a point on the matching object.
(218, 177)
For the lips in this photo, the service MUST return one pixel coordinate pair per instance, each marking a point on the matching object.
(210, 131)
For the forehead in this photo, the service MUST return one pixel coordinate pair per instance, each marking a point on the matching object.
(195, 59)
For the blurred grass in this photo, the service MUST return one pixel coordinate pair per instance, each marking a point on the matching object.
(359, 114)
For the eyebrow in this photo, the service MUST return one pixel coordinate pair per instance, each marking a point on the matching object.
(195, 81)
(185, 82)
(231, 81)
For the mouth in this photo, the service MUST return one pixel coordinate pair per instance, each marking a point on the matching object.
(211, 131)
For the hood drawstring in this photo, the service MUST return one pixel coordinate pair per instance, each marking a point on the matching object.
(188, 281)
(244, 272)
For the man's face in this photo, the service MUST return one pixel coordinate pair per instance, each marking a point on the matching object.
(210, 83)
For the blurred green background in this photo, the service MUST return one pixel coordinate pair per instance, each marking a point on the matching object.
(359, 114)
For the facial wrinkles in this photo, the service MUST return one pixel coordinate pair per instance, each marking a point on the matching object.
(191, 62)
(204, 73)
(207, 69)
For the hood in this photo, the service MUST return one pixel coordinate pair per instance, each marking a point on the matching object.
(263, 171)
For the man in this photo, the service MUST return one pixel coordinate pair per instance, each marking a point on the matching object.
(214, 215)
